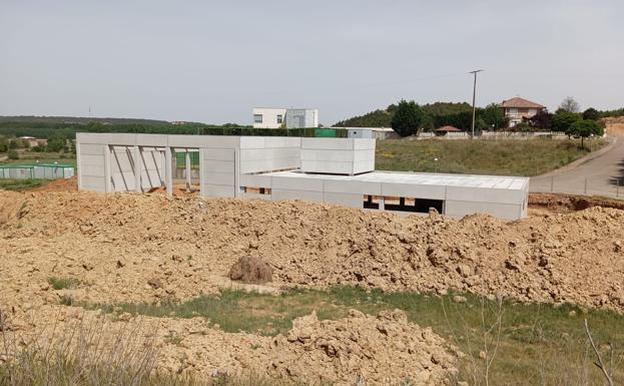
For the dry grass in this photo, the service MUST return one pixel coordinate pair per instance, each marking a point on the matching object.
(498, 157)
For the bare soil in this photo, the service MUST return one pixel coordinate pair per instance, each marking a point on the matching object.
(147, 248)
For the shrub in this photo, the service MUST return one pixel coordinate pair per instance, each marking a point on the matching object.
(13, 154)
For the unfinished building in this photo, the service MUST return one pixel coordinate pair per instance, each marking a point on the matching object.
(332, 170)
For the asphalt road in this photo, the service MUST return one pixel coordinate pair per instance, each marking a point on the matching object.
(595, 175)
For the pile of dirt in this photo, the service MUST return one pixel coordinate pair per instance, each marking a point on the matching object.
(382, 350)
(116, 245)
(251, 270)
(60, 185)
(361, 349)
(564, 203)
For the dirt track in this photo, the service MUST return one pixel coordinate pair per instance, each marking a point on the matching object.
(119, 246)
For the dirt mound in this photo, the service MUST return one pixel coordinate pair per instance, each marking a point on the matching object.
(361, 349)
(62, 185)
(251, 270)
(114, 244)
(563, 203)
(382, 350)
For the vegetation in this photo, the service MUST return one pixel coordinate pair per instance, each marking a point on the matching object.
(407, 118)
(563, 119)
(435, 115)
(500, 157)
(521, 343)
(59, 283)
(570, 105)
(12, 154)
(9, 184)
(584, 129)
(591, 114)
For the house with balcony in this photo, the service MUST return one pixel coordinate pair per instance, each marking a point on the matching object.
(518, 109)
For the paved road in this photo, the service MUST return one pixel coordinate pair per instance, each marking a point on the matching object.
(595, 176)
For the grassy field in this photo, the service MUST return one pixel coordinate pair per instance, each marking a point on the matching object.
(21, 184)
(500, 157)
(31, 157)
(524, 343)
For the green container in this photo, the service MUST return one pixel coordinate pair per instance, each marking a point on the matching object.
(328, 133)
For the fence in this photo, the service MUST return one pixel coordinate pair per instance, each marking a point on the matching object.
(590, 186)
(41, 171)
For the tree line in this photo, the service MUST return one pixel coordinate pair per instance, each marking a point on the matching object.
(408, 118)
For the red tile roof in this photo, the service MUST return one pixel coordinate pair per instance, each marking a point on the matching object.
(518, 102)
(447, 129)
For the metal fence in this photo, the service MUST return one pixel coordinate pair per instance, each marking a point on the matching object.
(40, 171)
(589, 186)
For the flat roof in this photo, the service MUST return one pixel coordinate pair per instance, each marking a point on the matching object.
(437, 179)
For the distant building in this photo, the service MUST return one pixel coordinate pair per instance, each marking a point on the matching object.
(274, 118)
(32, 141)
(516, 109)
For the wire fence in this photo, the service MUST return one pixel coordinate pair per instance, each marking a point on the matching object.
(589, 186)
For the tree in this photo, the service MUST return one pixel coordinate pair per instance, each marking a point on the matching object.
(591, 114)
(493, 116)
(570, 105)
(543, 120)
(407, 118)
(56, 143)
(13, 144)
(13, 154)
(585, 128)
(562, 120)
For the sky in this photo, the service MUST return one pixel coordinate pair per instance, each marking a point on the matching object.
(213, 61)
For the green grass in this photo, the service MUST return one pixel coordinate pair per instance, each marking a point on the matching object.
(21, 184)
(59, 283)
(30, 157)
(537, 343)
(499, 157)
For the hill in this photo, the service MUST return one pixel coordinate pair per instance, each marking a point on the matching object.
(383, 118)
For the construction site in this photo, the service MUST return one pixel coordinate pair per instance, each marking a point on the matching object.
(84, 260)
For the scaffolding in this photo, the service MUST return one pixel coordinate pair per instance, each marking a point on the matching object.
(38, 171)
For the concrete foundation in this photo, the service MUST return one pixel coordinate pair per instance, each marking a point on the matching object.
(332, 170)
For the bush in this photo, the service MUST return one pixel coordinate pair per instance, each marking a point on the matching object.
(13, 154)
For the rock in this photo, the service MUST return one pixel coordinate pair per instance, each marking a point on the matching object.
(251, 270)
(459, 299)
(155, 283)
(120, 264)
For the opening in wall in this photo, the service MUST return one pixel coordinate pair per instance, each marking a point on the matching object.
(416, 205)
(370, 202)
(255, 190)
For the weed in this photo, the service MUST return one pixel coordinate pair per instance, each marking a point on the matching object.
(59, 283)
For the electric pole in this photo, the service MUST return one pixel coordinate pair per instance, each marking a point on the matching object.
(474, 94)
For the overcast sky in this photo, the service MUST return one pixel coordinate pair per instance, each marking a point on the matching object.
(212, 61)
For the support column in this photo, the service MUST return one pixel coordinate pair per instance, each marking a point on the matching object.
(188, 170)
(107, 169)
(168, 172)
(382, 203)
(138, 167)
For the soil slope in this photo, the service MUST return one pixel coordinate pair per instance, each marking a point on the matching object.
(146, 247)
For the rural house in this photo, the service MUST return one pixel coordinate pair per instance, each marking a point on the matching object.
(274, 118)
(516, 109)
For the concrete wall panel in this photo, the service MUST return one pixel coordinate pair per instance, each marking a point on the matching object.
(463, 208)
(415, 191)
(304, 195)
(345, 199)
(297, 184)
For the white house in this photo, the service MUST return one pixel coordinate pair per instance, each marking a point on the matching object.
(274, 118)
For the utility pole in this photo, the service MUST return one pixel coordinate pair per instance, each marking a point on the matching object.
(474, 95)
